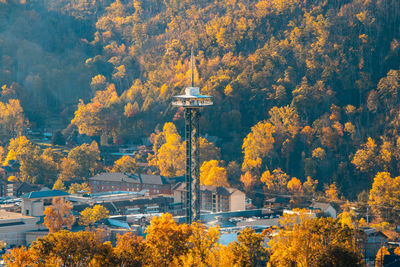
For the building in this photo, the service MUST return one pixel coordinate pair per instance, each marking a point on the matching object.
(25, 188)
(34, 203)
(278, 203)
(325, 208)
(14, 226)
(374, 240)
(214, 199)
(117, 181)
(134, 205)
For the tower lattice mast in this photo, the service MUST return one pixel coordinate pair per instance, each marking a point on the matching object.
(192, 101)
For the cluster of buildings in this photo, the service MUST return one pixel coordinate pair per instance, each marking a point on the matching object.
(133, 199)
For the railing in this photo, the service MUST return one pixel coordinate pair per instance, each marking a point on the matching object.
(192, 103)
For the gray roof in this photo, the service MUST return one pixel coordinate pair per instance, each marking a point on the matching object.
(115, 177)
(152, 179)
(134, 178)
(220, 190)
(321, 206)
(283, 200)
(47, 193)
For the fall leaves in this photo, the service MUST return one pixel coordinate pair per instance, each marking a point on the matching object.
(167, 244)
(169, 157)
(303, 241)
(59, 215)
(300, 241)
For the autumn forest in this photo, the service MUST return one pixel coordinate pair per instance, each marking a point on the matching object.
(306, 104)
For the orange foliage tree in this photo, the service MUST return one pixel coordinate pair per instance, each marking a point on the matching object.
(58, 215)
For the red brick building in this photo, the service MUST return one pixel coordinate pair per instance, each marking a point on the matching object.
(117, 181)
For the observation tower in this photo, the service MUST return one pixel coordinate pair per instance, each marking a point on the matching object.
(192, 101)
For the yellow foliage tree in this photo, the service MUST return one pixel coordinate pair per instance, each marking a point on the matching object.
(248, 180)
(201, 243)
(332, 193)
(12, 119)
(248, 250)
(90, 216)
(384, 197)
(221, 256)
(166, 240)
(294, 186)
(212, 174)
(18, 257)
(364, 159)
(131, 250)
(319, 153)
(257, 144)
(58, 215)
(59, 185)
(303, 241)
(169, 152)
(382, 252)
(82, 162)
(75, 188)
(309, 186)
(17, 147)
(66, 248)
(397, 251)
(347, 218)
(275, 182)
(125, 164)
(285, 120)
(98, 118)
(12, 179)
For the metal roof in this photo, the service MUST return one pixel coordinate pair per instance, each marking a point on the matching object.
(135, 178)
(47, 193)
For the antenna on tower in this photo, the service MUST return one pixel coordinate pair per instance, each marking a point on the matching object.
(192, 61)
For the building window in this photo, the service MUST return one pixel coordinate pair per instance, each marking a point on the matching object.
(214, 202)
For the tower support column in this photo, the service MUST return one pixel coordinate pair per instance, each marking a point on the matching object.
(192, 176)
(188, 174)
(195, 171)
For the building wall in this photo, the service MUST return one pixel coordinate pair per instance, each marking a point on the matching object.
(34, 235)
(14, 235)
(179, 196)
(211, 201)
(237, 201)
(105, 186)
(331, 212)
(373, 244)
(32, 207)
(205, 200)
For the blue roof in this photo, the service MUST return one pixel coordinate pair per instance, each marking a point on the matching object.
(48, 193)
(118, 223)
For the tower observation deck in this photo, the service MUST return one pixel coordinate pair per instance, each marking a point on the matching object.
(192, 101)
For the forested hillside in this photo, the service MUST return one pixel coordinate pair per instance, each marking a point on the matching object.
(308, 86)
